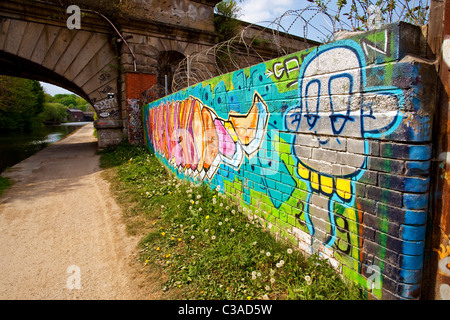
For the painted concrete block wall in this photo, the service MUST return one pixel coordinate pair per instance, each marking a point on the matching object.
(331, 146)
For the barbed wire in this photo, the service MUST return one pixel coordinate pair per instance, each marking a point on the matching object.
(244, 49)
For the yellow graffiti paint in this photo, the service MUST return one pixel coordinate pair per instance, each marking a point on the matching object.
(344, 188)
(326, 184)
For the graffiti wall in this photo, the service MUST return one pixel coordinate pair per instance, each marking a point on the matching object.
(330, 146)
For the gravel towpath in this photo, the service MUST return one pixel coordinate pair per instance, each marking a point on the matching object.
(61, 231)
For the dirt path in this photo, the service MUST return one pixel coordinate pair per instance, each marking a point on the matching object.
(61, 233)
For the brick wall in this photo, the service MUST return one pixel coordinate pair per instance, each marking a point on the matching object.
(136, 83)
(330, 146)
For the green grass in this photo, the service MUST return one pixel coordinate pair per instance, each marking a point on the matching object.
(5, 183)
(205, 246)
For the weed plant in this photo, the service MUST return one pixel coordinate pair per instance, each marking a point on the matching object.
(5, 183)
(211, 249)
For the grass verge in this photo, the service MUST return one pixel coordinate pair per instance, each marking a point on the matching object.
(204, 245)
(5, 183)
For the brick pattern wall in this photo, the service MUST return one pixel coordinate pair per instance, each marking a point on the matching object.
(136, 84)
(330, 147)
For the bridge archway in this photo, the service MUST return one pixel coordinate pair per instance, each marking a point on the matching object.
(82, 61)
(167, 65)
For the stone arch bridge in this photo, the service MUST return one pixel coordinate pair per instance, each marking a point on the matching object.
(109, 63)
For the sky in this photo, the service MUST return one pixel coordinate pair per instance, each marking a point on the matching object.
(263, 11)
(52, 89)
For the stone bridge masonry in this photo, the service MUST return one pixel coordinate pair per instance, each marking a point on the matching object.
(35, 43)
(109, 61)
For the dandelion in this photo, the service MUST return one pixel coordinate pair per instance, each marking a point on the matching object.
(218, 188)
(162, 207)
(157, 249)
(199, 196)
(272, 280)
(200, 209)
(192, 201)
(179, 239)
(289, 251)
(268, 253)
(259, 274)
(192, 237)
(207, 217)
(163, 234)
(226, 219)
(196, 202)
(233, 211)
(253, 277)
(227, 207)
(206, 230)
(213, 237)
(308, 279)
(221, 204)
(220, 223)
(254, 243)
(267, 288)
(232, 230)
(265, 297)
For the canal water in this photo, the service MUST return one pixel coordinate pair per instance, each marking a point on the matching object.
(15, 147)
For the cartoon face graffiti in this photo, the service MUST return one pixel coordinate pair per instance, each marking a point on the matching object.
(334, 109)
(331, 125)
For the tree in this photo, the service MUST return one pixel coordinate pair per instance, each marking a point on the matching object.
(53, 112)
(21, 100)
(225, 21)
(69, 100)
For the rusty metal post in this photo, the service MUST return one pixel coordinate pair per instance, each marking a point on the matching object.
(439, 225)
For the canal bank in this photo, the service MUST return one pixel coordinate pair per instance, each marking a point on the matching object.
(17, 146)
